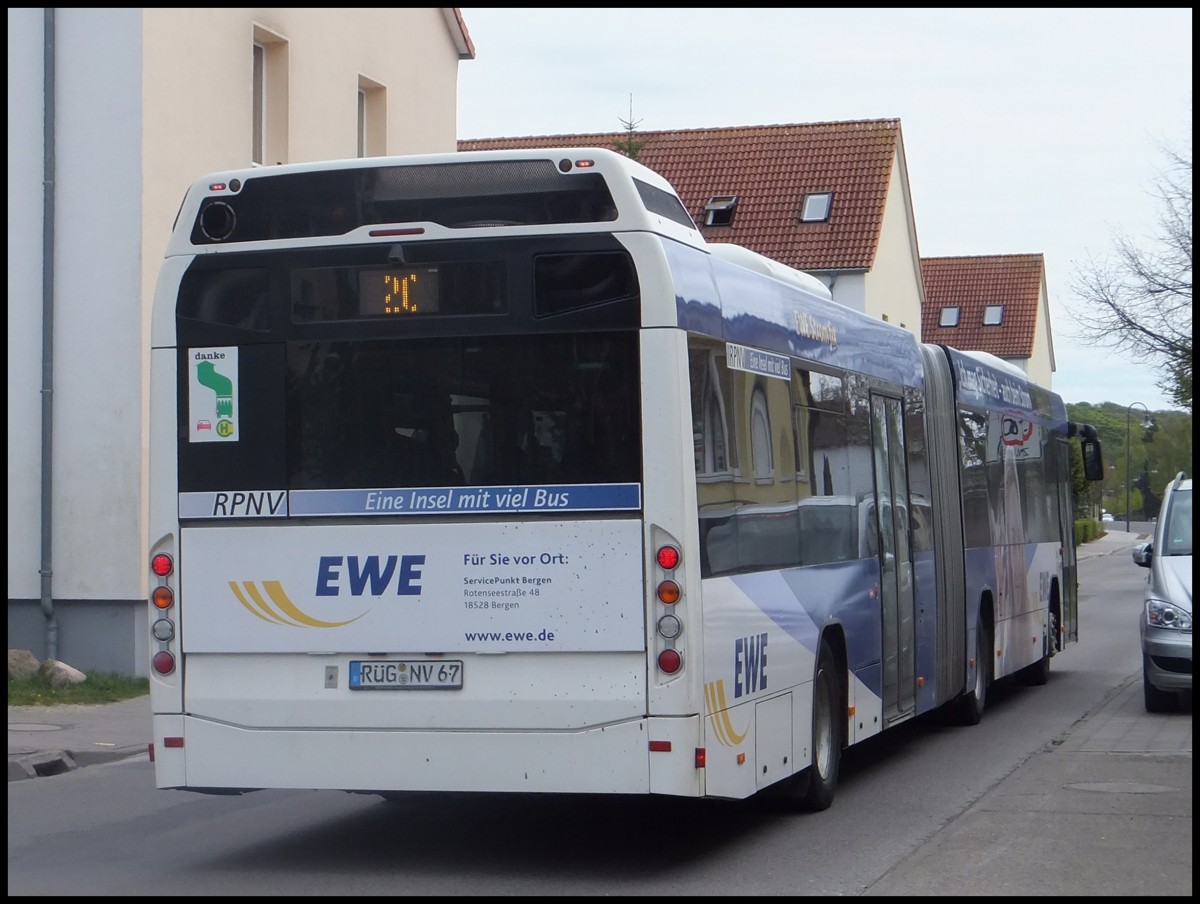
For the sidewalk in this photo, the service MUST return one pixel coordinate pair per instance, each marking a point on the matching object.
(49, 740)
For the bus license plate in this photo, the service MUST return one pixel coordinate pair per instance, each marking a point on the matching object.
(406, 675)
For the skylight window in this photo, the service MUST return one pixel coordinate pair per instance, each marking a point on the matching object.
(816, 207)
(993, 315)
(949, 316)
(719, 210)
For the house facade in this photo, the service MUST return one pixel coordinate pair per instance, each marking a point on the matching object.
(991, 303)
(112, 114)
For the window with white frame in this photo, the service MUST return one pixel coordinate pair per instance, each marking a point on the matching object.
(269, 102)
(993, 315)
(259, 102)
(949, 316)
(816, 207)
(719, 210)
(372, 118)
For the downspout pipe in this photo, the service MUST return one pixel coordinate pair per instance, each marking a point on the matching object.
(48, 174)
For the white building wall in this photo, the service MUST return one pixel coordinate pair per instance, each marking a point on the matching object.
(96, 378)
(24, 268)
(1039, 366)
(849, 289)
(893, 285)
(147, 101)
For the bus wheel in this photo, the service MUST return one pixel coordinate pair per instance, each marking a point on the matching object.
(1039, 673)
(813, 789)
(968, 709)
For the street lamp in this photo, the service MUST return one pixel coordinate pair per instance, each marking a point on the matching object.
(1146, 424)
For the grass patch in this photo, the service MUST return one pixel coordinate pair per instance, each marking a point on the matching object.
(100, 687)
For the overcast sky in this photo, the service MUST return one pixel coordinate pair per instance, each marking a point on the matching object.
(1025, 131)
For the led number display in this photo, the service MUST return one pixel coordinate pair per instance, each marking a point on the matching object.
(391, 293)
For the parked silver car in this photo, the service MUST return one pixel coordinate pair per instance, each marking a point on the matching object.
(1165, 624)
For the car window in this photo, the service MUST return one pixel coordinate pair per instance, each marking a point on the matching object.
(1177, 536)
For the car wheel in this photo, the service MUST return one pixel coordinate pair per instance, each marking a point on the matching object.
(1157, 701)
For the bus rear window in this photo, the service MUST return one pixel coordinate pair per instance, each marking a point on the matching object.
(487, 411)
(238, 298)
(567, 282)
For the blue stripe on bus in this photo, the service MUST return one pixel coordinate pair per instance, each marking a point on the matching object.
(578, 497)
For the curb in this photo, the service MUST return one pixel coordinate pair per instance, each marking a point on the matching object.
(38, 765)
(57, 762)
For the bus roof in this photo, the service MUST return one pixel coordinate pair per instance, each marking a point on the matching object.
(428, 197)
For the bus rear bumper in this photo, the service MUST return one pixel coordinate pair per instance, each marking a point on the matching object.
(202, 755)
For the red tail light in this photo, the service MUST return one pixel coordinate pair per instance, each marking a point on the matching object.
(669, 661)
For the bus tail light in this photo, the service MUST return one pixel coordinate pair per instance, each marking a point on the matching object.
(162, 565)
(668, 557)
(162, 597)
(163, 662)
(669, 592)
(670, 627)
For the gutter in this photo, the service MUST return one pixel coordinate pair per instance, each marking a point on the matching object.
(46, 569)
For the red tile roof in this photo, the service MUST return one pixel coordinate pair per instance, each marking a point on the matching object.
(972, 283)
(769, 169)
(458, 32)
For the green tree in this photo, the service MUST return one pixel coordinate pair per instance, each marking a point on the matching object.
(1140, 301)
(1161, 451)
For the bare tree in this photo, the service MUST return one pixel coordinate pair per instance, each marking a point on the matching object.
(1140, 301)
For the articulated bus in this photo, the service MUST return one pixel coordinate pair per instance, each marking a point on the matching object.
(485, 472)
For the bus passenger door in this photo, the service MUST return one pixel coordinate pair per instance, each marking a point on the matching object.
(895, 555)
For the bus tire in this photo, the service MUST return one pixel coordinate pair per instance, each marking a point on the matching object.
(968, 708)
(813, 788)
(1039, 673)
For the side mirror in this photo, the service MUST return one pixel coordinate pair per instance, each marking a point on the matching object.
(1142, 553)
(1093, 465)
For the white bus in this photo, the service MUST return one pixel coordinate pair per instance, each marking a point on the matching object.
(484, 472)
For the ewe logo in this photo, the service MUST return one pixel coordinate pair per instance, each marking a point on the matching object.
(277, 607)
(718, 714)
(366, 575)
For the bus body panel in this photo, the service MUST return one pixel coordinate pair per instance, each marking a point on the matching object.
(166, 690)
(468, 587)
(1018, 579)
(717, 298)
(670, 494)
(609, 759)
(761, 635)
(527, 692)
